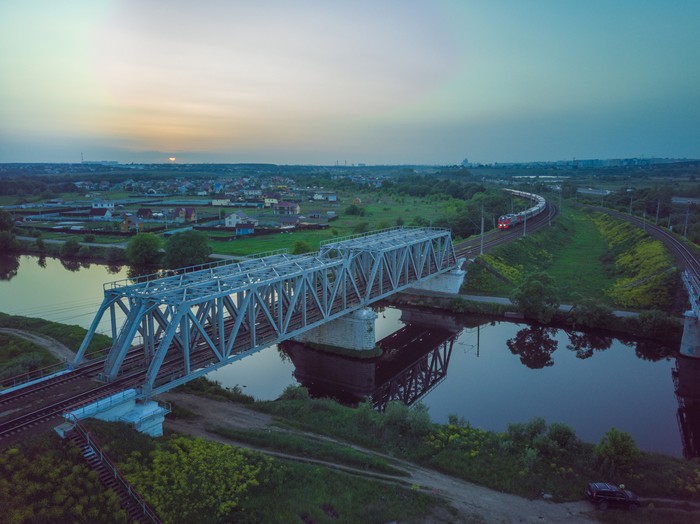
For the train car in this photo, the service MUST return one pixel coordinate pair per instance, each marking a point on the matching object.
(513, 219)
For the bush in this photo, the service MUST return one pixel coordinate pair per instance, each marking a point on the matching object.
(292, 392)
(70, 248)
(617, 452)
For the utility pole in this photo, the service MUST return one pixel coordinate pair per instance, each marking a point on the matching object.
(561, 192)
(481, 250)
(658, 205)
(685, 228)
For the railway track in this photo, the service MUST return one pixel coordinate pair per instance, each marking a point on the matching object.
(471, 247)
(685, 257)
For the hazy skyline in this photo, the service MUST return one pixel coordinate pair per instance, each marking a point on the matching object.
(378, 82)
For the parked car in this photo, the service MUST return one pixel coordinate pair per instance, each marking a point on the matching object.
(604, 495)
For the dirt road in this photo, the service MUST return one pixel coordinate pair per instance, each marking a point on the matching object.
(472, 501)
(53, 346)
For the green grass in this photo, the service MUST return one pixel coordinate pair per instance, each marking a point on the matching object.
(70, 336)
(577, 265)
(310, 448)
(18, 356)
(602, 259)
(649, 515)
(12, 346)
(306, 493)
(288, 491)
(525, 459)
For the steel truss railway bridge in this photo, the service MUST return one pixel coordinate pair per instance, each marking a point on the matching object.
(189, 323)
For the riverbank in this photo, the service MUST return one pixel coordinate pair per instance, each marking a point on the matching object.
(652, 325)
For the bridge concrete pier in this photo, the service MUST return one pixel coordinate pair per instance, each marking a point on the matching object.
(352, 331)
(144, 416)
(690, 343)
(448, 283)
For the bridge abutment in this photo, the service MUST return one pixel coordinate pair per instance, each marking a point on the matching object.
(352, 331)
(690, 343)
(448, 283)
(146, 417)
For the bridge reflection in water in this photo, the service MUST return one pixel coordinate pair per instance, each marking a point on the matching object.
(414, 360)
(686, 381)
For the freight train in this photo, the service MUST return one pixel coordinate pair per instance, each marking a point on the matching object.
(513, 219)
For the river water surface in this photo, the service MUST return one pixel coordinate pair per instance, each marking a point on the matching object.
(490, 373)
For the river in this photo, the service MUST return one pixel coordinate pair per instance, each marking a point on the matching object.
(490, 373)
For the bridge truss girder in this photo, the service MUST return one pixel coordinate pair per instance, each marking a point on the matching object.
(194, 322)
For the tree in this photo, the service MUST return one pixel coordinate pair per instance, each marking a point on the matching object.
(188, 248)
(537, 297)
(8, 241)
(300, 247)
(617, 452)
(70, 248)
(591, 313)
(361, 227)
(143, 249)
(6, 222)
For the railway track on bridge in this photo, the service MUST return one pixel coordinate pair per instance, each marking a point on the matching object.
(41, 405)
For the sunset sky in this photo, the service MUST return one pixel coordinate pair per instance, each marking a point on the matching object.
(378, 82)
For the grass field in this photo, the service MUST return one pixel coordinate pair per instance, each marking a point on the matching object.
(578, 265)
(573, 251)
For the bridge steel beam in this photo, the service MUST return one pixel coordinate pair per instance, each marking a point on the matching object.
(198, 320)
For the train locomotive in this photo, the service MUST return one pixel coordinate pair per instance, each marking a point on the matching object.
(513, 219)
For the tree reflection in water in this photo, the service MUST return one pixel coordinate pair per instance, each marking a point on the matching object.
(584, 344)
(113, 269)
(534, 345)
(654, 351)
(9, 264)
(41, 262)
(71, 265)
(140, 271)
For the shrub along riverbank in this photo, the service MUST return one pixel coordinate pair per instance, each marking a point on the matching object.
(526, 459)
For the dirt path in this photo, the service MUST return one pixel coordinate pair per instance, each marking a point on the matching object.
(53, 346)
(469, 499)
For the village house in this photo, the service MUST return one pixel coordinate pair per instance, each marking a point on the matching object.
(243, 224)
(131, 223)
(101, 213)
(144, 213)
(288, 221)
(185, 214)
(287, 208)
(103, 204)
